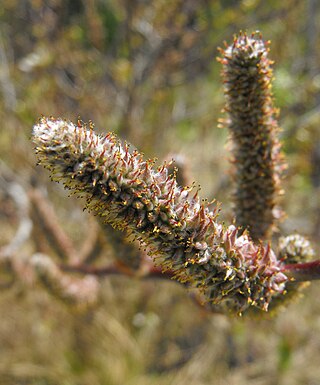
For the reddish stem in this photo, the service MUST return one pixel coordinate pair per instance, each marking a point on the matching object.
(153, 272)
(300, 272)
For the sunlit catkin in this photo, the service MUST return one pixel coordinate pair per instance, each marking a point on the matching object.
(179, 231)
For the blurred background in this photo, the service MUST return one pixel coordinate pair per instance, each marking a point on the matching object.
(147, 70)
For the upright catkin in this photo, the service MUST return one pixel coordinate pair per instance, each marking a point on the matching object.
(252, 123)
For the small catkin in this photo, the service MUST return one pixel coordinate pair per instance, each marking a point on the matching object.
(293, 249)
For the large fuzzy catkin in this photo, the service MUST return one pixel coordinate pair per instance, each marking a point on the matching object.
(179, 230)
(251, 120)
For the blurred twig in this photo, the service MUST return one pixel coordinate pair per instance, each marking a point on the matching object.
(8, 89)
(48, 221)
(20, 198)
(301, 272)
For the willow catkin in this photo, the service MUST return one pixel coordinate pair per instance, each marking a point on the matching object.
(251, 120)
(179, 231)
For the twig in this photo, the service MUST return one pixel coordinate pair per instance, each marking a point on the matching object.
(90, 247)
(117, 269)
(80, 292)
(20, 198)
(8, 90)
(47, 218)
(301, 272)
